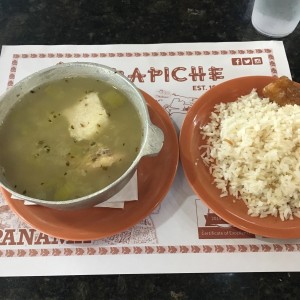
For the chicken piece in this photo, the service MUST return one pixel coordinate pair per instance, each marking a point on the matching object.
(100, 157)
(86, 117)
(283, 91)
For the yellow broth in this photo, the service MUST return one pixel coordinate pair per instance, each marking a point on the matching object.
(42, 158)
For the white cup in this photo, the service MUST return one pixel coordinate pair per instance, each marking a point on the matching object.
(276, 18)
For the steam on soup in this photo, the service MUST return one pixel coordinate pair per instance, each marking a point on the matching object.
(69, 138)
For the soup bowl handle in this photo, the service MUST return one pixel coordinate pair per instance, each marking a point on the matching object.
(155, 141)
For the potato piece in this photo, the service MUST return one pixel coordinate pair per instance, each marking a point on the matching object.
(113, 98)
(64, 192)
(86, 117)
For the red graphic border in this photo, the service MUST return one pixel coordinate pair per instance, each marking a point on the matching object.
(134, 250)
(16, 57)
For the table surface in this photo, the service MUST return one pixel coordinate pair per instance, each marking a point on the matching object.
(135, 22)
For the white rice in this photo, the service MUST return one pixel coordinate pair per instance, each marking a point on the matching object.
(253, 154)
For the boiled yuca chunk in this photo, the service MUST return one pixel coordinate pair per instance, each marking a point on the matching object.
(86, 117)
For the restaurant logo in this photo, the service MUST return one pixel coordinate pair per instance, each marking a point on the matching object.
(246, 61)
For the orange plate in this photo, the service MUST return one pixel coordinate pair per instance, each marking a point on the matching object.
(155, 177)
(199, 176)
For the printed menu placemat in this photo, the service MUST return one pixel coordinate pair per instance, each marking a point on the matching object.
(182, 235)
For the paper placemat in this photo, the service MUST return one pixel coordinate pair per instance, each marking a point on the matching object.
(181, 235)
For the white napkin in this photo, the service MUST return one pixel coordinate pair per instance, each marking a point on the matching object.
(128, 193)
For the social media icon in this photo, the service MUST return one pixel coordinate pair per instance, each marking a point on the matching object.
(247, 61)
(257, 60)
(236, 61)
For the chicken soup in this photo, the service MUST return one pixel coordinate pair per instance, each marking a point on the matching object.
(68, 139)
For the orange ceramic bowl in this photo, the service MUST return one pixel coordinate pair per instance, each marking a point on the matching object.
(201, 180)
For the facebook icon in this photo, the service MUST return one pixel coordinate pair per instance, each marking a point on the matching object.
(236, 61)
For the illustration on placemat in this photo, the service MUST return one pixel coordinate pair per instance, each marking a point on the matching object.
(8, 218)
(174, 103)
(211, 226)
(142, 233)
